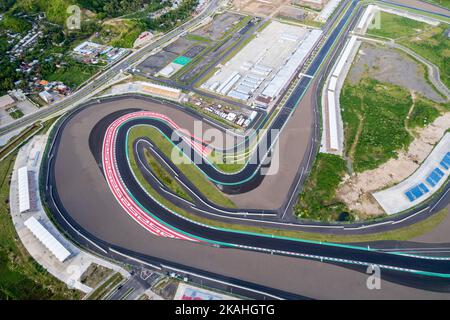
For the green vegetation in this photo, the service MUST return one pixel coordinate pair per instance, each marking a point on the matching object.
(228, 164)
(106, 287)
(15, 24)
(444, 3)
(424, 112)
(186, 166)
(195, 37)
(173, 18)
(164, 176)
(317, 199)
(373, 114)
(16, 113)
(53, 49)
(120, 33)
(72, 73)
(94, 275)
(405, 233)
(434, 46)
(115, 8)
(20, 276)
(394, 26)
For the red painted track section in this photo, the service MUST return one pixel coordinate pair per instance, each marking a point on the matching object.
(117, 187)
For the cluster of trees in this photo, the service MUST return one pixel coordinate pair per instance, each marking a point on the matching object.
(53, 48)
(115, 8)
(172, 18)
(14, 24)
(5, 5)
(8, 74)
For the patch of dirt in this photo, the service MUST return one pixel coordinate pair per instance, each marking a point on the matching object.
(263, 8)
(391, 65)
(356, 190)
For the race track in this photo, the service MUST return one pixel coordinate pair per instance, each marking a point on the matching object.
(90, 185)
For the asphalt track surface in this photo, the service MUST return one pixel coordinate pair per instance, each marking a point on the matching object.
(275, 245)
(250, 177)
(85, 203)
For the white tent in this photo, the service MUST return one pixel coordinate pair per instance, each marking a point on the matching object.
(47, 239)
(24, 193)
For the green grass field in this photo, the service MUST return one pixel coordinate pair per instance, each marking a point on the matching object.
(394, 26)
(16, 114)
(229, 164)
(186, 167)
(73, 74)
(20, 276)
(374, 114)
(444, 3)
(423, 113)
(195, 37)
(317, 200)
(165, 177)
(434, 46)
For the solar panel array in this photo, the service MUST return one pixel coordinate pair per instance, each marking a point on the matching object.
(432, 180)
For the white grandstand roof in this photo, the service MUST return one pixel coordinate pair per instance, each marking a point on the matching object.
(24, 193)
(333, 84)
(345, 55)
(47, 239)
(332, 119)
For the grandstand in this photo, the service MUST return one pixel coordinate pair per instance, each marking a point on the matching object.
(47, 239)
(422, 184)
(24, 191)
(161, 91)
(333, 131)
(147, 88)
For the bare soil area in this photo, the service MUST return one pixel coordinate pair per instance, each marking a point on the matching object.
(263, 8)
(390, 65)
(356, 190)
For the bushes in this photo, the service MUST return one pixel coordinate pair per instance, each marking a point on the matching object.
(374, 116)
(317, 200)
(14, 24)
(423, 114)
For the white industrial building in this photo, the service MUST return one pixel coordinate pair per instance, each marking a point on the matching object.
(266, 65)
(285, 74)
(24, 191)
(47, 239)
